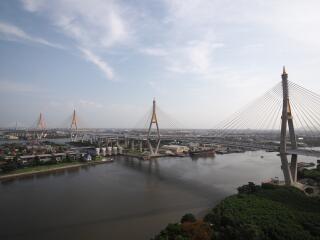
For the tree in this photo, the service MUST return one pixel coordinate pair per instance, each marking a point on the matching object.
(189, 217)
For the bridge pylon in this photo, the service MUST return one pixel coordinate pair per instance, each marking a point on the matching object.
(41, 126)
(289, 170)
(154, 120)
(74, 127)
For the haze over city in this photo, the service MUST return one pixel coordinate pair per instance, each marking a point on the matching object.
(201, 60)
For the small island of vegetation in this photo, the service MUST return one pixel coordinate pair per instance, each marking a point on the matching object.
(256, 212)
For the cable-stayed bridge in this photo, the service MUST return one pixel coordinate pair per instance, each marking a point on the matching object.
(285, 119)
(289, 108)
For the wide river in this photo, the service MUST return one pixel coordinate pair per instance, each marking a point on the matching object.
(126, 199)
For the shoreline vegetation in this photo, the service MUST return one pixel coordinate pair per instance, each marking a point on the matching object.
(33, 170)
(257, 212)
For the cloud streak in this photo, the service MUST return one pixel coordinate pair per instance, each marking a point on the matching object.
(96, 60)
(96, 25)
(13, 33)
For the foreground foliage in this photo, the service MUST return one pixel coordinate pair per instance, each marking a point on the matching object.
(311, 173)
(256, 212)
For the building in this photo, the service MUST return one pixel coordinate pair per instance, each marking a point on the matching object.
(87, 157)
(177, 149)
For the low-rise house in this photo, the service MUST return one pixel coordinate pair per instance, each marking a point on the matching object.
(72, 155)
(59, 157)
(45, 158)
(87, 157)
(8, 158)
(26, 160)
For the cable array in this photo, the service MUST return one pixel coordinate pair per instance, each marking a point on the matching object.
(262, 114)
(305, 106)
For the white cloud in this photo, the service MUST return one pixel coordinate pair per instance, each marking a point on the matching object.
(272, 28)
(194, 57)
(95, 25)
(188, 42)
(14, 33)
(101, 64)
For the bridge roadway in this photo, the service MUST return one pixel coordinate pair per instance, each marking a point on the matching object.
(216, 140)
(304, 152)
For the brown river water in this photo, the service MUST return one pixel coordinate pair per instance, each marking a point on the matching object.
(126, 199)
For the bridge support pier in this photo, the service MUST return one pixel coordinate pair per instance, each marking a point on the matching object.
(289, 171)
(125, 142)
(294, 167)
(286, 169)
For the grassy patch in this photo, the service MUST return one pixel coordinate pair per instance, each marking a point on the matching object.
(40, 168)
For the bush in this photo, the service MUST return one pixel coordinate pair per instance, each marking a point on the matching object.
(309, 190)
(189, 217)
(198, 230)
(172, 232)
(269, 186)
(311, 173)
(249, 188)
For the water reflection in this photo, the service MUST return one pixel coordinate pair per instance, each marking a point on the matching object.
(59, 173)
(158, 171)
(7, 181)
(73, 171)
(26, 177)
(197, 157)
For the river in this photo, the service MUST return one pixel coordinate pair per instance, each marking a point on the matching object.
(126, 199)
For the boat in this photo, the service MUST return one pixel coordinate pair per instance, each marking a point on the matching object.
(202, 152)
(11, 137)
(222, 152)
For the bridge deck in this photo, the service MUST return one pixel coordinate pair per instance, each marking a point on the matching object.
(304, 152)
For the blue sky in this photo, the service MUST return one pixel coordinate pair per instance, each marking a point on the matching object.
(202, 60)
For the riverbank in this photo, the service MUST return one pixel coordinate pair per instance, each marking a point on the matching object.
(256, 212)
(47, 169)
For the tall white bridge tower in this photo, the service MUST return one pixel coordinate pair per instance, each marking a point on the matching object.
(154, 120)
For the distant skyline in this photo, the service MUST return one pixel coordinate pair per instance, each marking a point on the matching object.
(202, 60)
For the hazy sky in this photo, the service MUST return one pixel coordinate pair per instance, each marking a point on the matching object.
(202, 60)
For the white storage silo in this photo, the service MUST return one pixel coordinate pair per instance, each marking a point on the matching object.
(104, 151)
(98, 151)
(109, 151)
(120, 150)
(115, 150)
